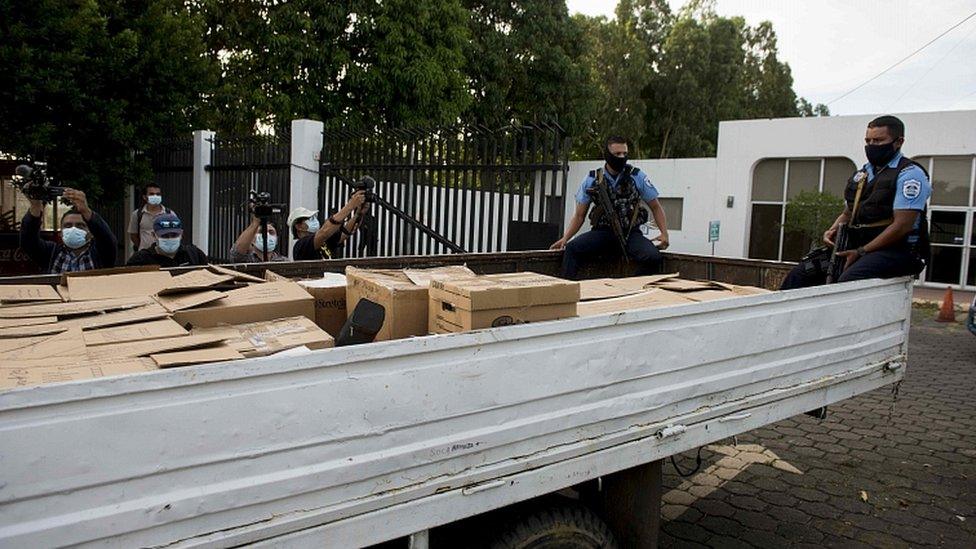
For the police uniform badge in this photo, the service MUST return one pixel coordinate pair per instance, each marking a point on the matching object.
(911, 189)
(859, 176)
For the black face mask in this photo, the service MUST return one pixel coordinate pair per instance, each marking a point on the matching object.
(616, 163)
(879, 155)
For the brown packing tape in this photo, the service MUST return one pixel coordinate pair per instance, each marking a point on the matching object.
(146, 348)
(74, 308)
(146, 283)
(196, 356)
(11, 378)
(18, 293)
(155, 329)
(179, 302)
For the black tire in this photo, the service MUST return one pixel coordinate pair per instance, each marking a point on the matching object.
(562, 526)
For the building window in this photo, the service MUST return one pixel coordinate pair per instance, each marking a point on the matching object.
(952, 220)
(775, 182)
(673, 211)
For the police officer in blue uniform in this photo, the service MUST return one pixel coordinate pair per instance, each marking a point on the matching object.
(629, 189)
(885, 213)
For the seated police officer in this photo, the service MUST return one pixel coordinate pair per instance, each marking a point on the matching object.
(86, 243)
(315, 241)
(884, 216)
(628, 188)
(169, 250)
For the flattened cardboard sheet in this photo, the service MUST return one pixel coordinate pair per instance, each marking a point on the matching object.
(179, 302)
(199, 279)
(148, 347)
(154, 329)
(422, 277)
(69, 344)
(115, 318)
(645, 300)
(34, 321)
(19, 293)
(138, 284)
(74, 308)
(236, 274)
(196, 356)
(270, 337)
(11, 378)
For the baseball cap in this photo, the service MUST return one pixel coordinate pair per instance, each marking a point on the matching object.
(167, 223)
(300, 213)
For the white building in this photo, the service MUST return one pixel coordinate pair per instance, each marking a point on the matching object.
(762, 163)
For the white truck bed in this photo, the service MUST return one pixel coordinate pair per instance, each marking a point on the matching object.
(352, 446)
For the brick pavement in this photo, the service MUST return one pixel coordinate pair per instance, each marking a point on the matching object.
(866, 476)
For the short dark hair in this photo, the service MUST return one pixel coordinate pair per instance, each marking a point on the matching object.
(147, 186)
(294, 228)
(615, 139)
(896, 128)
(69, 212)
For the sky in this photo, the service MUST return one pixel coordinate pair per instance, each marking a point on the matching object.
(832, 46)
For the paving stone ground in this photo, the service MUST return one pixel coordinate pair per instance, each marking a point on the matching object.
(870, 475)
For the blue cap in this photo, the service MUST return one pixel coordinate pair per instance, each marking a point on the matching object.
(167, 223)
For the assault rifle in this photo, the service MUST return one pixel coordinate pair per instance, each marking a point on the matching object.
(601, 196)
(837, 263)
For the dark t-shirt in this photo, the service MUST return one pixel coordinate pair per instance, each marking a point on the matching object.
(188, 254)
(304, 248)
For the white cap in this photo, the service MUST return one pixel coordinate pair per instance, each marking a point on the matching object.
(299, 213)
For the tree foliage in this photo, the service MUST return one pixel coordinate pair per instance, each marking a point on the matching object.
(83, 84)
(811, 213)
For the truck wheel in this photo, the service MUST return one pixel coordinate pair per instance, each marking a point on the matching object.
(565, 526)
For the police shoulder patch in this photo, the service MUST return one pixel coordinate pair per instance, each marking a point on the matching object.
(859, 176)
(911, 189)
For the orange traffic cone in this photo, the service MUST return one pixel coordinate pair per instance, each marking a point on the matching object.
(947, 312)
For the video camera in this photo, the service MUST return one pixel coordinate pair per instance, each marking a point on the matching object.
(261, 204)
(34, 183)
(366, 184)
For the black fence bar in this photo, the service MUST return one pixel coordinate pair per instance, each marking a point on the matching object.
(240, 164)
(171, 161)
(485, 190)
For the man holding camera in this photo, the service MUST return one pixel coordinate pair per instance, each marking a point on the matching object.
(169, 250)
(884, 219)
(313, 241)
(86, 243)
(141, 222)
(250, 244)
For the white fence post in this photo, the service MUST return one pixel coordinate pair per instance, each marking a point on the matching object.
(306, 150)
(201, 189)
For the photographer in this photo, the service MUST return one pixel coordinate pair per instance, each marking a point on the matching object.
(313, 241)
(87, 241)
(249, 247)
(169, 250)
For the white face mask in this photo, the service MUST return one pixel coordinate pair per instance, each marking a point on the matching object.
(74, 237)
(312, 224)
(169, 245)
(155, 199)
(259, 242)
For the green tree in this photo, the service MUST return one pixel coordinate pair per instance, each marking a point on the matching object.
(83, 84)
(811, 213)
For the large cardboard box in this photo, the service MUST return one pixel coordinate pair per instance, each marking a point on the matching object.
(265, 301)
(330, 301)
(499, 300)
(404, 300)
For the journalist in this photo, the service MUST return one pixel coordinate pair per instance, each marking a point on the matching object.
(249, 247)
(169, 250)
(884, 219)
(86, 243)
(315, 241)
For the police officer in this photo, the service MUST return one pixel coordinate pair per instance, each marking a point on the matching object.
(629, 188)
(885, 213)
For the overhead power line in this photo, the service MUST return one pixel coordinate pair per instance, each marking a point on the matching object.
(902, 60)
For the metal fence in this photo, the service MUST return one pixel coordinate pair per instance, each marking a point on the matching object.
(172, 165)
(240, 164)
(486, 190)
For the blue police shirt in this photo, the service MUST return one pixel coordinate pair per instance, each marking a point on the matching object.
(912, 191)
(645, 188)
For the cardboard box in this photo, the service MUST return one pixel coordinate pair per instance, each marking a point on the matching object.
(405, 301)
(196, 356)
(11, 378)
(330, 301)
(265, 301)
(270, 337)
(499, 300)
(604, 288)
